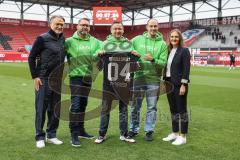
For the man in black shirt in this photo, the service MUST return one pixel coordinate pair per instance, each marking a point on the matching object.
(118, 71)
(117, 68)
(232, 61)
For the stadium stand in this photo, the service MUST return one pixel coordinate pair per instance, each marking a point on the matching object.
(4, 41)
(206, 40)
(12, 38)
(219, 36)
(16, 38)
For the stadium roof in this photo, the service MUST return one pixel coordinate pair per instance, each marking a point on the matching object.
(126, 4)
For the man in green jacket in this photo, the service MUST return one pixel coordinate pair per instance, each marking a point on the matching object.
(153, 50)
(80, 50)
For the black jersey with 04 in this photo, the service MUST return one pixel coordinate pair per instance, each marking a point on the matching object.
(118, 68)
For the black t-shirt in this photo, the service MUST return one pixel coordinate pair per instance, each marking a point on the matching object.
(118, 68)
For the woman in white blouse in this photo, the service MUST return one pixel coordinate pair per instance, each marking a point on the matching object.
(177, 73)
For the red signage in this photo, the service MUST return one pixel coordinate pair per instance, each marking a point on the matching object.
(35, 23)
(216, 21)
(13, 57)
(10, 21)
(217, 59)
(107, 15)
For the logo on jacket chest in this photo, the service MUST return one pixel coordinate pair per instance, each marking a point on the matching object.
(83, 47)
(148, 48)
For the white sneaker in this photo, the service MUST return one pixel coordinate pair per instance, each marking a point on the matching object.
(100, 139)
(180, 141)
(127, 139)
(40, 144)
(54, 141)
(170, 137)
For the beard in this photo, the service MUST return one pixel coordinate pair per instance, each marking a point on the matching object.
(83, 33)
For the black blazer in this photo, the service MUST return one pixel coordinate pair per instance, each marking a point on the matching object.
(180, 67)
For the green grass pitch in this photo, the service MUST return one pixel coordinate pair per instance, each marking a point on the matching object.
(214, 130)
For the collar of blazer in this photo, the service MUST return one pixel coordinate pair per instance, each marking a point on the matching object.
(177, 51)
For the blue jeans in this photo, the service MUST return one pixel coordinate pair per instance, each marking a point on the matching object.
(46, 100)
(152, 94)
(80, 88)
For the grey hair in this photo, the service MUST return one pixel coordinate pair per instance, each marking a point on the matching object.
(56, 16)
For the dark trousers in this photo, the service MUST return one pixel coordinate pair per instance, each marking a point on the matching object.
(232, 63)
(105, 116)
(107, 102)
(178, 108)
(80, 88)
(46, 100)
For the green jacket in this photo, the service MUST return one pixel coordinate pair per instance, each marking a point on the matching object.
(81, 53)
(150, 71)
(113, 45)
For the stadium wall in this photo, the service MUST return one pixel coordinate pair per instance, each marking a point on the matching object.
(218, 57)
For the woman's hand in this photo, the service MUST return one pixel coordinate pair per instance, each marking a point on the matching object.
(182, 90)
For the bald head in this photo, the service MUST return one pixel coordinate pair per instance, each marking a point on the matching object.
(152, 27)
(152, 20)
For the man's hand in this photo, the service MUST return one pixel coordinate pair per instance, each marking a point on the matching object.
(148, 57)
(182, 90)
(37, 83)
(135, 54)
(100, 54)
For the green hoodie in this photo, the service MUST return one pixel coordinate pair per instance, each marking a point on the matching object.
(111, 44)
(81, 53)
(142, 44)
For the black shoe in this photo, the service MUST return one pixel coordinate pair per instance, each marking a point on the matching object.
(75, 141)
(132, 134)
(85, 135)
(149, 136)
